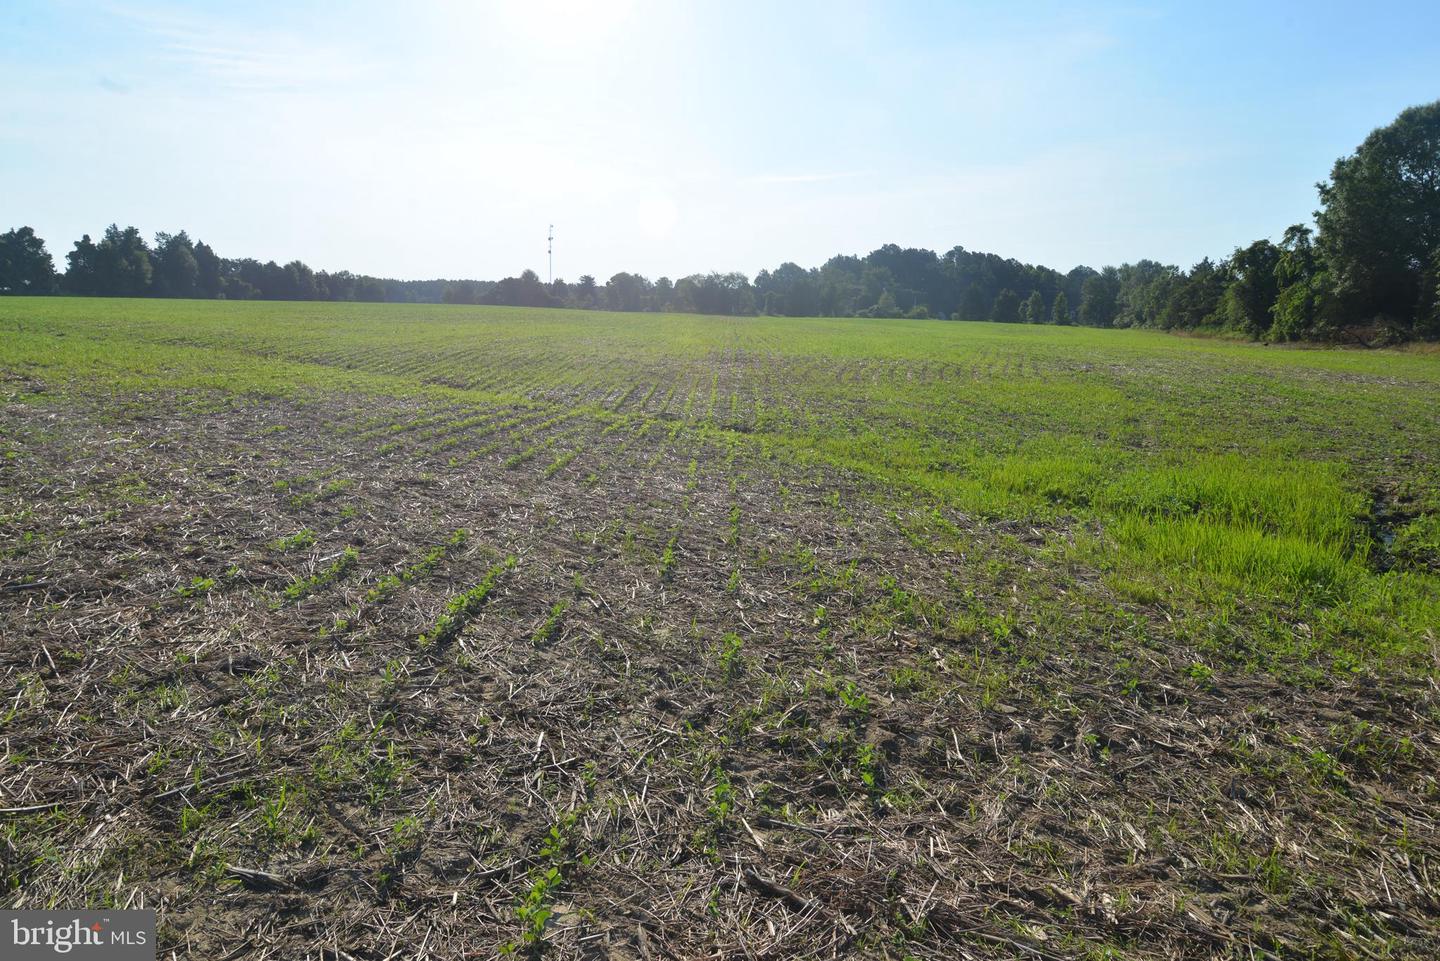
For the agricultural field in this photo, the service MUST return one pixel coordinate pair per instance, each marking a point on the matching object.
(371, 631)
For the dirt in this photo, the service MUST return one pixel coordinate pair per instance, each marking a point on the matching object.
(930, 736)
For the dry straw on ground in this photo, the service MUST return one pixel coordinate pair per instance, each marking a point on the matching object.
(718, 707)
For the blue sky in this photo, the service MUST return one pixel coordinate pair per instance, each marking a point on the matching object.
(440, 139)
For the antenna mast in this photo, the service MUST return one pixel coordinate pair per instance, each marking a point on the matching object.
(550, 252)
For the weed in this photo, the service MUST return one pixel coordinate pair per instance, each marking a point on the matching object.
(197, 586)
(731, 660)
(534, 910)
(547, 630)
(667, 560)
(722, 799)
(854, 699)
(868, 766)
(300, 540)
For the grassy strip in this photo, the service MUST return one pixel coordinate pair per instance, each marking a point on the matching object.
(464, 606)
(305, 586)
(333, 489)
(297, 541)
(390, 583)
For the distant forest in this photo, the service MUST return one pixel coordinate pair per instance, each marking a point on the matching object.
(1369, 272)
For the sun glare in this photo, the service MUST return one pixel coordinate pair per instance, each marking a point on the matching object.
(563, 25)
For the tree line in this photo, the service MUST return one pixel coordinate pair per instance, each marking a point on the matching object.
(1369, 271)
(123, 264)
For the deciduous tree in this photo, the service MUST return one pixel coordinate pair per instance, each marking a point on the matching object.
(176, 270)
(25, 265)
(1060, 310)
(1379, 224)
(1006, 309)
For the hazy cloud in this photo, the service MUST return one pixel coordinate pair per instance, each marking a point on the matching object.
(802, 178)
(239, 57)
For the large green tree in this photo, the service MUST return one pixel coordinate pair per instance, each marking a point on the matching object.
(1253, 288)
(974, 305)
(1379, 226)
(1006, 309)
(81, 273)
(1304, 304)
(176, 270)
(626, 291)
(120, 266)
(209, 271)
(1060, 310)
(1033, 310)
(1100, 298)
(585, 289)
(25, 265)
(1194, 299)
(1144, 288)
